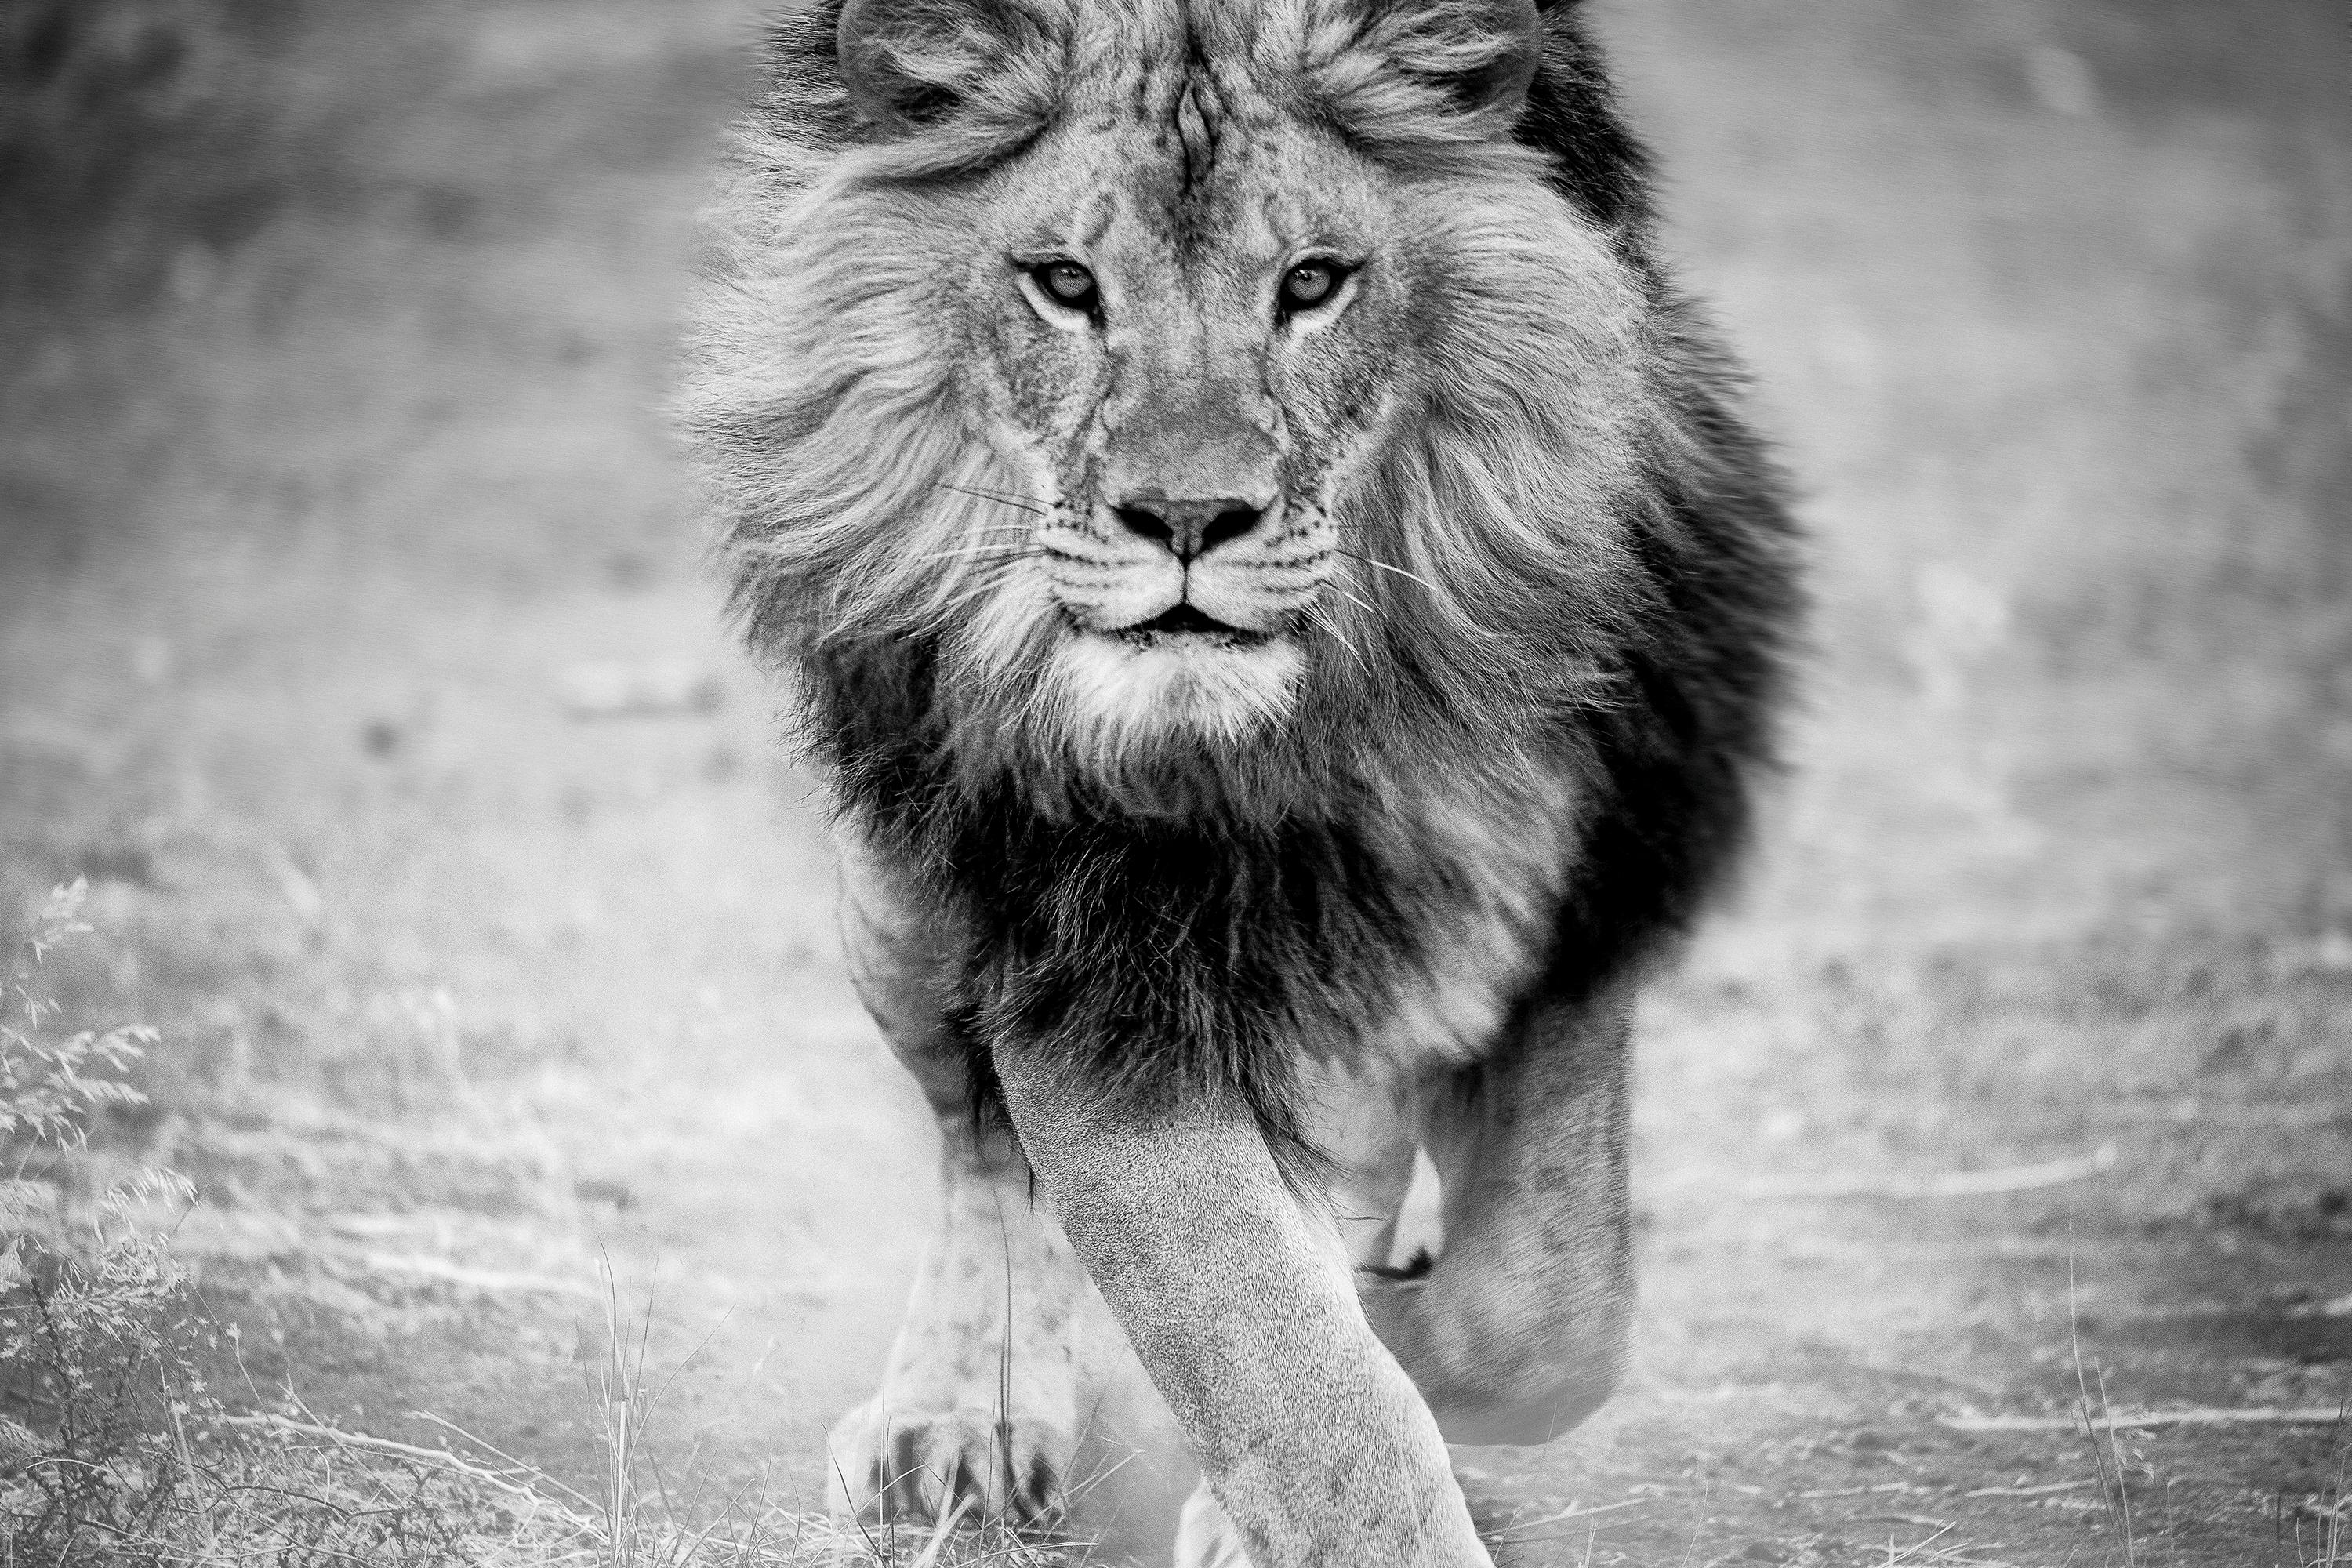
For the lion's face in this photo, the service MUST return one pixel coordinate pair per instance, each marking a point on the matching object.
(1198, 373)
(1184, 376)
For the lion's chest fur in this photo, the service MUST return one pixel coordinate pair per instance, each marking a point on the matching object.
(1174, 957)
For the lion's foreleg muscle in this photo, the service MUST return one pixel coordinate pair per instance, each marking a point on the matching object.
(1240, 1305)
(979, 1400)
(1519, 1330)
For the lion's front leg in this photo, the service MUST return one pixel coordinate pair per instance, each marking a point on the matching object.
(978, 1404)
(1241, 1306)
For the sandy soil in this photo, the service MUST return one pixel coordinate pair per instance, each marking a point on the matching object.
(334, 497)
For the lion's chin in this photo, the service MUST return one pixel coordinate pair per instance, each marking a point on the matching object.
(1123, 696)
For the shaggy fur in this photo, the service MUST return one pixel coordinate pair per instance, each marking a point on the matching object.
(1541, 578)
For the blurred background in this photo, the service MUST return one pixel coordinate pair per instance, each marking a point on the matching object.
(355, 646)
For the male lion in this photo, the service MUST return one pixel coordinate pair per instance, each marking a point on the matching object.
(1288, 617)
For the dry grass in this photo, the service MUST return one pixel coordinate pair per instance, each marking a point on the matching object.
(2316, 1531)
(145, 1440)
(134, 1459)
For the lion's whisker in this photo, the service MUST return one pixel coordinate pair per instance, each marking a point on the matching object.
(998, 495)
(1343, 640)
(1375, 561)
(1001, 500)
(1009, 552)
(1355, 601)
(981, 490)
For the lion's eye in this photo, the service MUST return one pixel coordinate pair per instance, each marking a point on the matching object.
(1309, 284)
(1066, 284)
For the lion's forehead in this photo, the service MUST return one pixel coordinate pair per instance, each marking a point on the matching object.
(1153, 60)
(1205, 156)
(1131, 194)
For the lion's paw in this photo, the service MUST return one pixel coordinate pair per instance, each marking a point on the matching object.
(1205, 1538)
(917, 1466)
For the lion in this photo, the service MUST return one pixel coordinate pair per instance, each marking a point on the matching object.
(1291, 619)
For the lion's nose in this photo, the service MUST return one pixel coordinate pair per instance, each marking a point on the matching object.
(1189, 528)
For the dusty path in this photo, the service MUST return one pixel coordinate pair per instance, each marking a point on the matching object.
(307, 560)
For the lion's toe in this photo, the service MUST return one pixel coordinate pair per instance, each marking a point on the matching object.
(922, 1465)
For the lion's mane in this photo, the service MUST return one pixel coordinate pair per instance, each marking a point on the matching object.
(1580, 665)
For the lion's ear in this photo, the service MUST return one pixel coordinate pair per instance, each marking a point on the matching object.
(912, 63)
(1487, 51)
(1406, 70)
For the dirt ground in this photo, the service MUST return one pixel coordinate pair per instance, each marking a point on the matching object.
(353, 643)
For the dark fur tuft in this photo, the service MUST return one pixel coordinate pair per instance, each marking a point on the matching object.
(1571, 118)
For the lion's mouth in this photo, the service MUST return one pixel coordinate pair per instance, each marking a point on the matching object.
(1187, 621)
